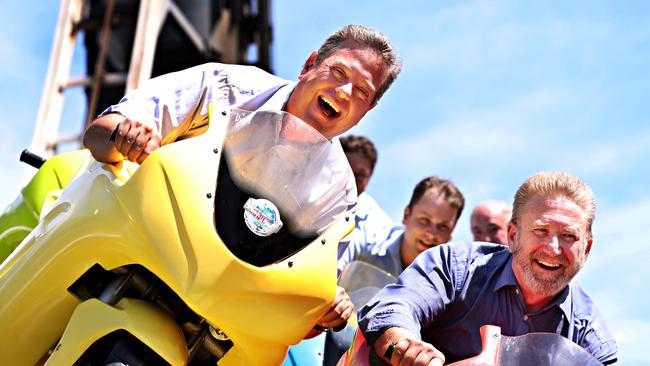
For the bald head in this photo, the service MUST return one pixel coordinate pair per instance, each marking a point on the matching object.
(490, 221)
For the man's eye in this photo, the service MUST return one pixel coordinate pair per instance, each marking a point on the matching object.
(443, 227)
(570, 237)
(338, 72)
(363, 93)
(540, 231)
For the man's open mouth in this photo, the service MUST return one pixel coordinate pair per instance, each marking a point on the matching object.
(328, 108)
(547, 265)
(426, 244)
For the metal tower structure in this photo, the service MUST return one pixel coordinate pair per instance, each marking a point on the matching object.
(130, 41)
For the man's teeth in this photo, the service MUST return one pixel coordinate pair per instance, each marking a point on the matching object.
(547, 264)
(330, 105)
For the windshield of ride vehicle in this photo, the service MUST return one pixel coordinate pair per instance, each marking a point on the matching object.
(276, 156)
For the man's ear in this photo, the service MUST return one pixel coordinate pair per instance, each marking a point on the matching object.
(588, 249)
(309, 64)
(407, 213)
(512, 233)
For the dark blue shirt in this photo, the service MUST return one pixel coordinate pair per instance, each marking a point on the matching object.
(451, 290)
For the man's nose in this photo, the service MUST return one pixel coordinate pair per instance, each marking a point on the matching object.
(553, 246)
(344, 91)
(433, 234)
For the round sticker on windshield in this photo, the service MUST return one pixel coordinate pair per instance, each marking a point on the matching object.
(262, 217)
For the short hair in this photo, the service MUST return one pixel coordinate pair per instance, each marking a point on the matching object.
(501, 206)
(555, 183)
(443, 188)
(360, 145)
(367, 37)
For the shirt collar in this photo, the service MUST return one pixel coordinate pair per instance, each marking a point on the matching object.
(507, 277)
(363, 206)
(278, 100)
(562, 300)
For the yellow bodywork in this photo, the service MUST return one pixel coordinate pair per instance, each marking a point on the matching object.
(160, 217)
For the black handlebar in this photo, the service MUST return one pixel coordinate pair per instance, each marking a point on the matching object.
(32, 159)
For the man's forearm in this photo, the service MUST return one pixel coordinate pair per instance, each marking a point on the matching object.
(97, 138)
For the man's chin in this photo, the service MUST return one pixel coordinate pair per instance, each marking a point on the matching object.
(548, 285)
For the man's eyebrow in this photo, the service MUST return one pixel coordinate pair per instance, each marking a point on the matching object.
(367, 84)
(342, 65)
(572, 228)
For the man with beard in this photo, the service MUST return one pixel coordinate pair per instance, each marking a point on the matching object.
(432, 315)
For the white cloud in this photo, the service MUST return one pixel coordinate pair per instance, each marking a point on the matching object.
(495, 135)
(616, 275)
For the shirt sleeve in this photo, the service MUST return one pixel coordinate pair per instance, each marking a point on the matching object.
(352, 252)
(163, 102)
(421, 294)
(599, 342)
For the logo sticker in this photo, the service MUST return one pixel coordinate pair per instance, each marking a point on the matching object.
(262, 217)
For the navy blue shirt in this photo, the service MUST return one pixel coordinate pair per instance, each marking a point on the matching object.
(451, 290)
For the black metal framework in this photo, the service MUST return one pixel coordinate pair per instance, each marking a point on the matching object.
(234, 31)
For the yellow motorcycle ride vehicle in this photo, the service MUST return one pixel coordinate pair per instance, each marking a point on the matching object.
(22, 215)
(220, 248)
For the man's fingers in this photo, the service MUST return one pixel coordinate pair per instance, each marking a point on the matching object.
(152, 145)
(135, 140)
(130, 144)
(338, 315)
(399, 351)
(330, 319)
(153, 142)
(122, 130)
(128, 140)
(339, 319)
(138, 147)
(411, 352)
(408, 355)
(348, 312)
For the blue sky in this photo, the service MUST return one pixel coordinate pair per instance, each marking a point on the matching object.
(490, 93)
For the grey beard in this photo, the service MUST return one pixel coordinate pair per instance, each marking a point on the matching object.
(540, 285)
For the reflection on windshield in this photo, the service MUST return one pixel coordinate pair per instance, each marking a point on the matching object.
(543, 349)
(361, 282)
(532, 349)
(276, 156)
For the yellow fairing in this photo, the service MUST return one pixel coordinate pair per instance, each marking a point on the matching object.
(149, 324)
(162, 218)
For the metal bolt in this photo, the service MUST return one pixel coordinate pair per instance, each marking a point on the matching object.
(216, 151)
(209, 195)
(347, 218)
(322, 241)
(290, 264)
(223, 113)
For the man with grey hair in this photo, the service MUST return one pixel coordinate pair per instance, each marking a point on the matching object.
(489, 221)
(432, 315)
(337, 86)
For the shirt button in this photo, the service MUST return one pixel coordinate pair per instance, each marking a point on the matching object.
(525, 317)
(517, 291)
